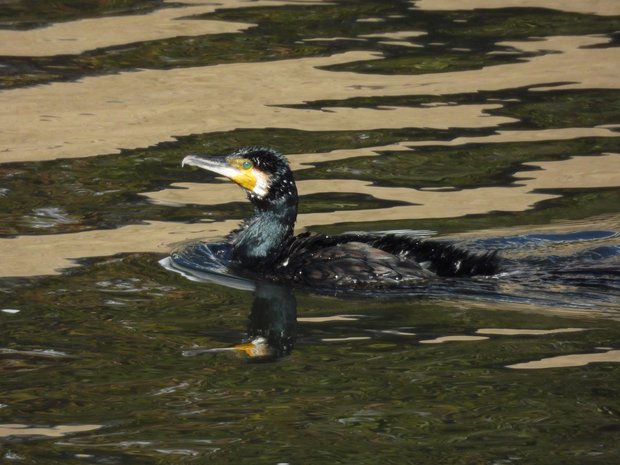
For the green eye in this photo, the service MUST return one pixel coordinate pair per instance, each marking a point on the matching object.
(246, 165)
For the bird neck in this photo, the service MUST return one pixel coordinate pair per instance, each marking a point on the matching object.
(262, 238)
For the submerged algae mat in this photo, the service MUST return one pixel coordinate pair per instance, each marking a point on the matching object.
(493, 127)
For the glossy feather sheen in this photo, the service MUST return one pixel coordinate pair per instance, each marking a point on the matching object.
(265, 244)
(376, 261)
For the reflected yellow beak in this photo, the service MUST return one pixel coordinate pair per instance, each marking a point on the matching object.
(254, 349)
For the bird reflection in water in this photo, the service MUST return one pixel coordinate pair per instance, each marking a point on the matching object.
(272, 328)
(272, 325)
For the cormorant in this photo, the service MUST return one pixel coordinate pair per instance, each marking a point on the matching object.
(265, 247)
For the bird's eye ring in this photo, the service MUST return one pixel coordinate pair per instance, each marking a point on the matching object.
(246, 165)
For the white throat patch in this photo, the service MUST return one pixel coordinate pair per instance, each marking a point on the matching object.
(261, 188)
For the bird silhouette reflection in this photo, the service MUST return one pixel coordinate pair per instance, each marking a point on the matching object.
(272, 324)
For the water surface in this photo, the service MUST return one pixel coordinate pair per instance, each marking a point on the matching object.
(494, 125)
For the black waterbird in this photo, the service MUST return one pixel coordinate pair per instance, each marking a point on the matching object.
(265, 246)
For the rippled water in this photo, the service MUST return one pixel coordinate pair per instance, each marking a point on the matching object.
(490, 124)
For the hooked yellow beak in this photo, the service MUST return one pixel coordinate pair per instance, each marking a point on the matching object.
(238, 170)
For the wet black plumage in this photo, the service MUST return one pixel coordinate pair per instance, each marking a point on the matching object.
(265, 245)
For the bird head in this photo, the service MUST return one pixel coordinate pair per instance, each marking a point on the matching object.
(262, 172)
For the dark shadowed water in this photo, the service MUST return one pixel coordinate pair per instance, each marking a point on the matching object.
(493, 125)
